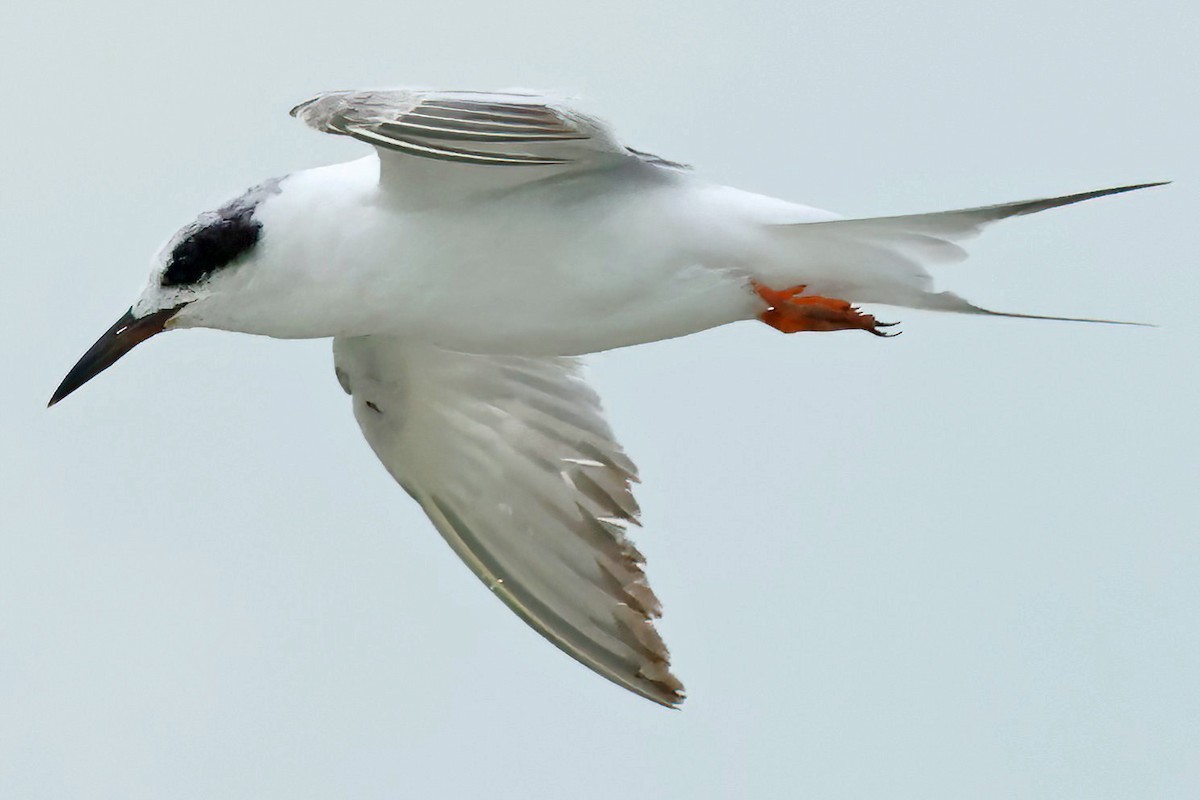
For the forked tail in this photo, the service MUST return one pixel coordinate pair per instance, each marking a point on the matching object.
(885, 259)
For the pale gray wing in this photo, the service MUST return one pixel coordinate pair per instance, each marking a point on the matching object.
(498, 129)
(436, 146)
(513, 462)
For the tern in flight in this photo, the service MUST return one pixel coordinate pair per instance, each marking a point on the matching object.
(459, 269)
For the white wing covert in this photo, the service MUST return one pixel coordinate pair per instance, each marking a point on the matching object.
(513, 462)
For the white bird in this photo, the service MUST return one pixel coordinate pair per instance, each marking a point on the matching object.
(488, 239)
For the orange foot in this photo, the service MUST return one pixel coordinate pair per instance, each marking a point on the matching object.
(788, 312)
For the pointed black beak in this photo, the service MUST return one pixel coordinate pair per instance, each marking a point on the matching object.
(123, 336)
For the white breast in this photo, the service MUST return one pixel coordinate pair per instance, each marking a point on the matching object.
(580, 264)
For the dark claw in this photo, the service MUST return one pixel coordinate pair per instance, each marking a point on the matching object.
(883, 334)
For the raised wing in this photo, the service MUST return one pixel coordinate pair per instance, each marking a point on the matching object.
(425, 138)
(513, 462)
(501, 129)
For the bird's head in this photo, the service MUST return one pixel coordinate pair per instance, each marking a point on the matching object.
(197, 268)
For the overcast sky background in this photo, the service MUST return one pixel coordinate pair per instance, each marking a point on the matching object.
(961, 563)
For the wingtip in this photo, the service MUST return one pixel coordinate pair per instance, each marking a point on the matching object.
(667, 696)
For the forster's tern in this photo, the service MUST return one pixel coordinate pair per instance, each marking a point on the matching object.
(488, 239)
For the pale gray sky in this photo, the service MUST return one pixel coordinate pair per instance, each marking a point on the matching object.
(961, 563)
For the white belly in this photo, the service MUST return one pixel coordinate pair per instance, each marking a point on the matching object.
(562, 268)
(526, 281)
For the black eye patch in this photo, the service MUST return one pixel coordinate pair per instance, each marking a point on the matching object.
(211, 247)
(218, 239)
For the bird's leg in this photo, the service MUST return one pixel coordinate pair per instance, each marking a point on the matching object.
(787, 311)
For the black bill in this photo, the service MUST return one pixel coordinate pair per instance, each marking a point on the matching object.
(123, 336)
